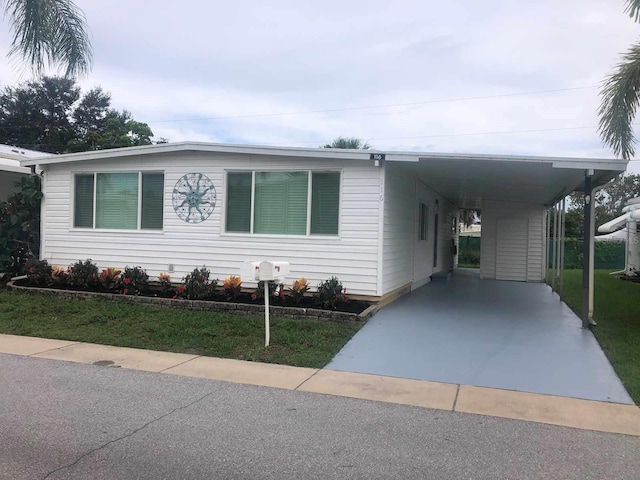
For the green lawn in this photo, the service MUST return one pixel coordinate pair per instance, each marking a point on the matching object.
(299, 343)
(617, 312)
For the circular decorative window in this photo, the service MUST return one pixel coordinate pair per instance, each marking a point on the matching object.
(194, 197)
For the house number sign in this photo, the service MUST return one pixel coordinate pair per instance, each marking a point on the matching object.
(194, 197)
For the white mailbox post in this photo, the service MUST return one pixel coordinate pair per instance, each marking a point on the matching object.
(266, 271)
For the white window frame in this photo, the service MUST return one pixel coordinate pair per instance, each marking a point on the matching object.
(308, 233)
(93, 228)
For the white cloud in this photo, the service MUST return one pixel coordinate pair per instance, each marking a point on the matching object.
(178, 66)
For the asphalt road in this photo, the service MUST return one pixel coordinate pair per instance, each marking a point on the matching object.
(62, 420)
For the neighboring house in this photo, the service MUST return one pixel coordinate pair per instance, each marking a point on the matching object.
(382, 222)
(10, 168)
(474, 230)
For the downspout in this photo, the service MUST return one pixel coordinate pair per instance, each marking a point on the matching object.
(43, 201)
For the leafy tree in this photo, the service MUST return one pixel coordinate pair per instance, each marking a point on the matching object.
(51, 115)
(620, 97)
(20, 222)
(608, 204)
(49, 31)
(349, 143)
(468, 217)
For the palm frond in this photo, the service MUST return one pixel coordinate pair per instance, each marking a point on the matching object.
(49, 31)
(633, 9)
(348, 143)
(620, 98)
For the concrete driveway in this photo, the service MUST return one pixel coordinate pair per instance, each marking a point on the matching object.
(510, 335)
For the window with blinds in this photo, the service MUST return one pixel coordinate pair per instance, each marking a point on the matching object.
(283, 203)
(119, 201)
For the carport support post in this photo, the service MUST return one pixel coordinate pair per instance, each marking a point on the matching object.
(587, 259)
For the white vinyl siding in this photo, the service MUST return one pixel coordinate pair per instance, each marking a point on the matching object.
(351, 256)
(511, 249)
(406, 258)
(500, 248)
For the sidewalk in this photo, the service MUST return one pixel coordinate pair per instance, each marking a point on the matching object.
(568, 412)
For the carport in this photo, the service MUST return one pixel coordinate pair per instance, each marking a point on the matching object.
(521, 199)
(491, 333)
(501, 326)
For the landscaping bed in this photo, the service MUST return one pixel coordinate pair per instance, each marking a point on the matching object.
(196, 292)
(252, 308)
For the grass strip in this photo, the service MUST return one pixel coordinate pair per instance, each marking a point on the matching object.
(218, 334)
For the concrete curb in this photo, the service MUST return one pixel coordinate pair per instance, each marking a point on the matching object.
(531, 407)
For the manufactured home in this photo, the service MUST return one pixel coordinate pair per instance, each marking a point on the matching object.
(11, 171)
(382, 222)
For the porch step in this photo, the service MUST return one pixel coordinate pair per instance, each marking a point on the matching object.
(441, 276)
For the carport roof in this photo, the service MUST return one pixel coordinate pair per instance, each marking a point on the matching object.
(465, 179)
(468, 180)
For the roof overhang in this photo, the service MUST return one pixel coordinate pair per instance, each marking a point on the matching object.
(469, 180)
(185, 147)
(464, 179)
(13, 168)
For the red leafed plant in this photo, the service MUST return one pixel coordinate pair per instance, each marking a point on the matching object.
(298, 289)
(232, 287)
(59, 275)
(109, 278)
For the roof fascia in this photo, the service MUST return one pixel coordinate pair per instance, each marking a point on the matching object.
(334, 153)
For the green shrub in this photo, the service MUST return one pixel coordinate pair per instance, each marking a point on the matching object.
(469, 258)
(196, 285)
(20, 226)
(83, 274)
(134, 281)
(329, 293)
(38, 272)
(608, 255)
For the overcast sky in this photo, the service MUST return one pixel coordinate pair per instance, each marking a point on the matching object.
(402, 76)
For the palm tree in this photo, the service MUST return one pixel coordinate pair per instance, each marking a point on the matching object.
(49, 31)
(620, 97)
(350, 142)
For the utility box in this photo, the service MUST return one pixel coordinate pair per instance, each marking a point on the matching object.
(250, 271)
(269, 271)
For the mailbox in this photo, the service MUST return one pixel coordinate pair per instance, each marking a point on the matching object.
(249, 270)
(266, 272)
(272, 270)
